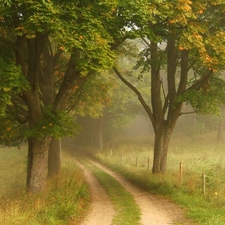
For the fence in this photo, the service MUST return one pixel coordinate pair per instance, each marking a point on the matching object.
(181, 169)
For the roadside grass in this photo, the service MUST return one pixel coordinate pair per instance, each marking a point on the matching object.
(12, 170)
(127, 211)
(64, 201)
(200, 154)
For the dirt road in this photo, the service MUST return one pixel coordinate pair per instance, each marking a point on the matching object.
(101, 208)
(154, 210)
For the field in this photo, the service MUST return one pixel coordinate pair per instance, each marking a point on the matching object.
(64, 201)
(199, 154)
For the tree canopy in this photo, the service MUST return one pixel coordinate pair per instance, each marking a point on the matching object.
(50, 48)
(53, 47)
(183, 51)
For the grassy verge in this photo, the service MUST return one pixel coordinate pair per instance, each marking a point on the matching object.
(127, 211)
(198, 154)
(12, 170)
(63, 202)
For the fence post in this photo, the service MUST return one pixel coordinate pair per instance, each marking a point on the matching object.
(181, 171)
(203, 183)
(137, 162)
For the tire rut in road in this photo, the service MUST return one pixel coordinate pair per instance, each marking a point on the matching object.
(101, 209)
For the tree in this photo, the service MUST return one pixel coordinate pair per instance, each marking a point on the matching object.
(44, 38)
(185, 39)
(105, 106)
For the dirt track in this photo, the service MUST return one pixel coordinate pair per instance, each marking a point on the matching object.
(155, 210)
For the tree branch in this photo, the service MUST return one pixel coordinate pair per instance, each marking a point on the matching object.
(184, 72)
(134, 89)
(79, 93)
(197, 85)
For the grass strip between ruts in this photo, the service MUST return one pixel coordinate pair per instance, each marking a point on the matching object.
(127, 211)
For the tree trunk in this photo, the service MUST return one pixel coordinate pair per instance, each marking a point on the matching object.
(158, 148)
(166, 141)
(48, 88)
(54, 158)
(29, 162)
(37, 164)
(161, 146)
(165, 109)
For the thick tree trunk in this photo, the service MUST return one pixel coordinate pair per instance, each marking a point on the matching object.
(37, 164)
(166, 141)
(158, 150)
(48, 92)
(161, 146)
(54, 158)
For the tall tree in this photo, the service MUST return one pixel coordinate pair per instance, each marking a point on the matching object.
(44, 37)
(183, 50)
(104, 104)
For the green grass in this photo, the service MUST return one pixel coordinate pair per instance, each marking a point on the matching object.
(12, 170)
(127, 211)
(64, 201)
(199, 154)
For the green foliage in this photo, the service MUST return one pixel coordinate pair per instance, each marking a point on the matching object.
(95, 95)
(68, 24)
(12, 82)
(207, 99)
(76, 28)
(11, 131)
(6, 2)
(202, 103)
(103, 95)
(56, 124)
(195, 26)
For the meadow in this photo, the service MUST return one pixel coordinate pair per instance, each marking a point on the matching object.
(65, 200)
(199, 154)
